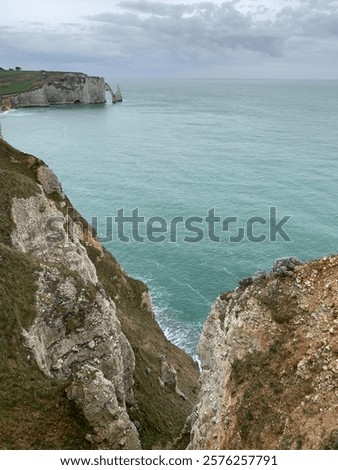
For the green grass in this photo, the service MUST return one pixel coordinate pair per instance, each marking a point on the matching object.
(12, 82)
(10, 73)
(18, 87)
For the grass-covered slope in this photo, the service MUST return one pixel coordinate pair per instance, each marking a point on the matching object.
(19, 81)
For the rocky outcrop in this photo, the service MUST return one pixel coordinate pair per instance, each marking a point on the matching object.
(79, 320)
(117, 96)
(269, 355)
(60, 88)
(111, 423)
(76, 334)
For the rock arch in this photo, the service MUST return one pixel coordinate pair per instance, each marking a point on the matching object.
(116, 97)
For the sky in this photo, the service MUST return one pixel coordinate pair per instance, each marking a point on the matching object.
(246, 39)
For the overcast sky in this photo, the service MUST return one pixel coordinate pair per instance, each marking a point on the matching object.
(170, 38)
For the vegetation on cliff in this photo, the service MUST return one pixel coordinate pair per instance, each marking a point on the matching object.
(35, 409)
(20, 81)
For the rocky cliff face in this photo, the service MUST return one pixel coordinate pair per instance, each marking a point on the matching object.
(60, 88)
(84, 361)
(269, 354)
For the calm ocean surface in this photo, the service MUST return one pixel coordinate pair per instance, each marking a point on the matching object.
(181, 148)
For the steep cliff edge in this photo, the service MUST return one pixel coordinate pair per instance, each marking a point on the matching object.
(83, 362)
(269, 354)
(31, 89)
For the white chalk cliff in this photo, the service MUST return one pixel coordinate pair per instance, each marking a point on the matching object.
(62, 88)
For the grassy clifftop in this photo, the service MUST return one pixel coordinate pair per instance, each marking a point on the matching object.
(20, 81)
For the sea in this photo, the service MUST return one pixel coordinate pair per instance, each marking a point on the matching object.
(195, 184)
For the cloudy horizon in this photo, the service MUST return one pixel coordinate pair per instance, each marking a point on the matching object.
(207, 39)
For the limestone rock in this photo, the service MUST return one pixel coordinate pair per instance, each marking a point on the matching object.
(96, 396)
(40, 230)
(169, 376)
(269, 362)
(49, 181)
(169, 379)
(76, 329)
(60, 88)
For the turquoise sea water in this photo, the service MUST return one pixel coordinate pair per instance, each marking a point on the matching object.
(181, 148)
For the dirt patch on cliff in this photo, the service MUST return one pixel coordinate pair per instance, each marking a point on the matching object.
(284, 396)
(270, 355)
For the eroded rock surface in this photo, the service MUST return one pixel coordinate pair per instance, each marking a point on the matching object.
(108, 417)
(269, 354)
(76, 329)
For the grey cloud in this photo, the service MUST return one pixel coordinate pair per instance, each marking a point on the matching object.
(321, 25)
(205, 25)
(307, 22)
(155, 38)
(157, 8)
(62, 48)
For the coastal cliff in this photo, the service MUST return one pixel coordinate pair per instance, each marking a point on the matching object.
(269, 355)
(52, 88)
(83, 362)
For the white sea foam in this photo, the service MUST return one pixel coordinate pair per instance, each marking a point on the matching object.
(183, 334)
(18, 113)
